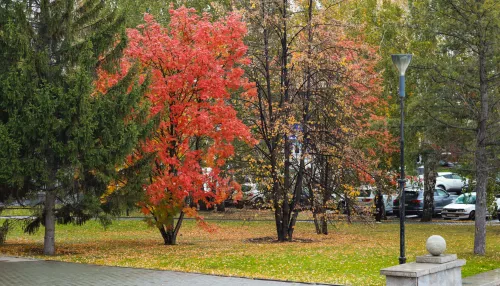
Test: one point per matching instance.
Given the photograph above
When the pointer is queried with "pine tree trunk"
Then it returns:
(49, 247)
(481, 159)
(481, 183)
(429, 185)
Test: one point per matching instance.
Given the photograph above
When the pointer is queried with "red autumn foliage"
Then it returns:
(194, 66)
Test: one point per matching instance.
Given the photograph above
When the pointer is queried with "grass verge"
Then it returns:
(350, 254)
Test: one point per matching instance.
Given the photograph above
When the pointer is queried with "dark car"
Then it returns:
(414, 201)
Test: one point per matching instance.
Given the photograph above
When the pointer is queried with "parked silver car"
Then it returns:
(414, 201)
(366, 199)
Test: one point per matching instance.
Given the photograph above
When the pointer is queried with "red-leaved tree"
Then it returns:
(194, 67)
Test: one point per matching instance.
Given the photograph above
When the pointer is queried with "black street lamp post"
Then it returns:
(401, 62)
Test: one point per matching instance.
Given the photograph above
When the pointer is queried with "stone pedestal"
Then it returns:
(442, 270)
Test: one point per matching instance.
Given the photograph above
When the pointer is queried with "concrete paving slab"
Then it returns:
(489, 278)
(414, 269)
(15, 259)
(29, 272)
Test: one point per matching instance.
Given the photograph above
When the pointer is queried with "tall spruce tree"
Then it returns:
(464, 94)
(60, 138)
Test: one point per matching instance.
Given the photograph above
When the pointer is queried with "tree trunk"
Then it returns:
(169, 233)
(278, 198)
(285, 204)
(429, 185)
(49, 247)
(348, 208)
(481, 157)
(168, 236)
(271, 140)
(285, 84)
(324, 224)
(326, 193)
(314, 207)
(291, 225)
(316, 222)
(481, 184)
(320, 221)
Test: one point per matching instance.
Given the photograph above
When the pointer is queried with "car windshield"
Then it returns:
(466, 199)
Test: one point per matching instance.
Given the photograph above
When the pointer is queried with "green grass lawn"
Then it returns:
(350, 254)
(16, 211)
(231, 213)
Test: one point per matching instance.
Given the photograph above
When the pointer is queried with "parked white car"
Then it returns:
(451, 182)
(251, 195)
(497, 201)
(464, 207)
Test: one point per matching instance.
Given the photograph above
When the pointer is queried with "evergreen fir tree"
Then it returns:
(58, 137)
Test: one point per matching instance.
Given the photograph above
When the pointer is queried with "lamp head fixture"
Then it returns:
(401, 61)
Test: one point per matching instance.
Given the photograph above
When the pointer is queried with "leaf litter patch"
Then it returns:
(270, 239)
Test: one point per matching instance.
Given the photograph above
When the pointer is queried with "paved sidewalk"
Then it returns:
(31, 272)
(410, 219)
(490, 278)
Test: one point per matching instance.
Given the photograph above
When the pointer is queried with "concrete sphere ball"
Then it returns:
(436, 245)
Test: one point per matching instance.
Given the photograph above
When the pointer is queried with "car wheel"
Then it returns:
(472, 215)
(447, 218)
